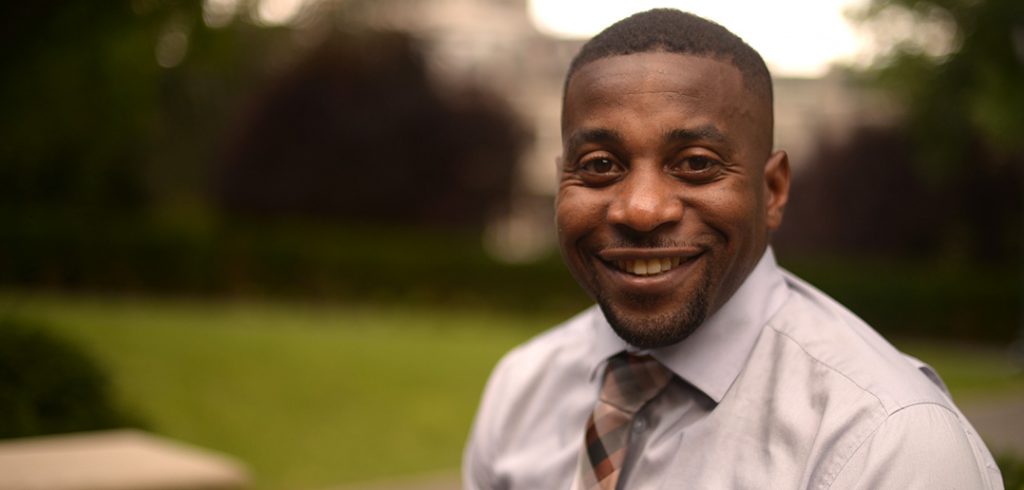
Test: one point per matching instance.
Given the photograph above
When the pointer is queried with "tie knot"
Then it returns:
(630, 381)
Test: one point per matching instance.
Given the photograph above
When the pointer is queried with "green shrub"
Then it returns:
(48, 385)
(933, 297)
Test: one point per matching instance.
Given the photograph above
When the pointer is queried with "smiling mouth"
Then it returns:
(650, 267)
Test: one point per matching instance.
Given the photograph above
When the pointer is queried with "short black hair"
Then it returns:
(672, 31)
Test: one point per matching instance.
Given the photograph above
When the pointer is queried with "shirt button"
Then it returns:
(639, 425)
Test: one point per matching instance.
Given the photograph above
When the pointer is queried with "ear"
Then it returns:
(776, 182)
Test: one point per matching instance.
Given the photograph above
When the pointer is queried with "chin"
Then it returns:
(642, 325)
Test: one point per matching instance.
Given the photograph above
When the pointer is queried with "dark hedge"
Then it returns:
(48, 385)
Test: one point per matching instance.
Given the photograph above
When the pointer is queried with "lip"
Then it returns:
(650, 285)
(623, 253)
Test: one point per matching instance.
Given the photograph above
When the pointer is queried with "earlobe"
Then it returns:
(776, 181)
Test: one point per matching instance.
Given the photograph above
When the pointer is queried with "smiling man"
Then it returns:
(703, 365)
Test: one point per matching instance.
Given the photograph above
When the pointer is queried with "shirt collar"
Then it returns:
(712, 357)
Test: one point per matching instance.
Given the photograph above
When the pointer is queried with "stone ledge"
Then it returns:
(114, 460)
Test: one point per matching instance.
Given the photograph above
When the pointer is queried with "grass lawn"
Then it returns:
(312, 395)
(306, 395)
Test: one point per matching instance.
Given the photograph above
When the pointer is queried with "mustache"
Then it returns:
(653, 241)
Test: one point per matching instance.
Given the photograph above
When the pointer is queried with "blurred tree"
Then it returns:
(862, 196)
(104, 104)
(959, 67)
(128, 125)
(360, 130)
(71, 93)
(124, 107)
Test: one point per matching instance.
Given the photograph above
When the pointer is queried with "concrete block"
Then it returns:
(114, 460)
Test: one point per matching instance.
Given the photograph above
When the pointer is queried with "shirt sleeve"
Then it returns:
(478, 455)
(921, 446)
(476, 473)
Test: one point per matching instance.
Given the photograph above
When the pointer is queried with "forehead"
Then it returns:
(656, 82)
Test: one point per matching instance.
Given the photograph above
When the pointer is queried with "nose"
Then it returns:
(646, 200)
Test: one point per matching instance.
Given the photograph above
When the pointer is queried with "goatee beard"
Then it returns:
(653, 331)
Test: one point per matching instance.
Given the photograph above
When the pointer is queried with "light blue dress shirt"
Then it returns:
(781, 388)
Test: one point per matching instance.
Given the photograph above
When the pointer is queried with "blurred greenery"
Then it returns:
(92, 122)
(936, 298)
(957, 67)
(1013, 472)
(114, 164)
(281, 257)
(925, 296)
(969, 89)
(128, 134)
(142, 109)
(312, 394)
(972, 372)
(307, 394)
(49, 386)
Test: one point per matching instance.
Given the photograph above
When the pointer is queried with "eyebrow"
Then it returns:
(590, 135)
(707, 132)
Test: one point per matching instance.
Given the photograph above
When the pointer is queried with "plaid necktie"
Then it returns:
(629, 383)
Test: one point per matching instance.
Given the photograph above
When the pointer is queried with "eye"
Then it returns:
(698, 164)
(599, 165)
(599, 169)
(696, 168)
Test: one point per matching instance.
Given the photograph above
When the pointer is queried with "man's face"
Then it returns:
(667, 189)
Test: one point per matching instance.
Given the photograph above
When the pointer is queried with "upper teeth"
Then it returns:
(646, 267)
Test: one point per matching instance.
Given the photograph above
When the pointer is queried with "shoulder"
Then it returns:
(920, 446)
(901, 426)
(827, 334)
(527, 378)
(556, 350)
(537, 389)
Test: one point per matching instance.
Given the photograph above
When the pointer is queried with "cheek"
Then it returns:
(734, 210)
(577, 213)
